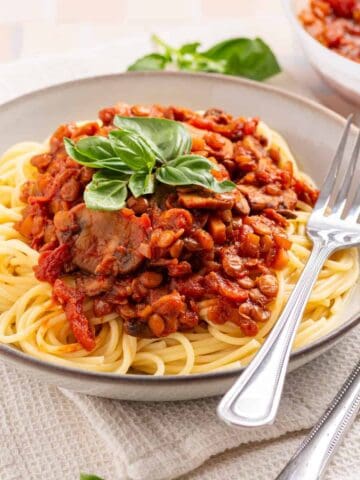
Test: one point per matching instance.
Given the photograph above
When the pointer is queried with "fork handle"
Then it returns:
(314, 454)
(254, 398)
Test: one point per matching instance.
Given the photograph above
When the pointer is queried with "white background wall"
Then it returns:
(37, 27)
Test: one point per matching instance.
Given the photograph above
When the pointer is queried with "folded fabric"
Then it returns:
(161, 441)
(53, 434)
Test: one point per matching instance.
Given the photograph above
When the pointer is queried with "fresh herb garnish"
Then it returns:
(245, 57)
(192, 170)
(133, 149)
(84, 153)
(89, 476)
(153, 61)
(166, 138)
(143, 151)
(106, 191)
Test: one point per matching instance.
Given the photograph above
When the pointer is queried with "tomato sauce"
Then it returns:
(335, 24)
(153, 261)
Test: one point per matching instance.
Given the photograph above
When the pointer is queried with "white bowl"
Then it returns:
(339, 72)
(311, 130)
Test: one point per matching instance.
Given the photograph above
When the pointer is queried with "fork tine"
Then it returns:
(330, 180)
(341, 198)
(354, 210)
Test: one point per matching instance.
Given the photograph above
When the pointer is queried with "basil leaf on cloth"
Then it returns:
(148, 63)
(106, 191)
(192, 170)
(168, 139)
(189, 47)
(89, 476)
(166, 49)
(246, 57)
(132, 149)
(200, 63)
(251, 58)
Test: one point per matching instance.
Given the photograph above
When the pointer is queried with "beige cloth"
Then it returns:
(50, 434)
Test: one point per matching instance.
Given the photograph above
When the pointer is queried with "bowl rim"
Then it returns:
(16, 356)
(332, 56)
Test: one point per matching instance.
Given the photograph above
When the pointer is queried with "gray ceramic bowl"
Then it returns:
(311, 130)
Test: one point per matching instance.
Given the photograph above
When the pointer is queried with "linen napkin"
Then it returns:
(47, 433)
(164, 441)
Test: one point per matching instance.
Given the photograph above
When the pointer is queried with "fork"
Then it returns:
(254, 398)
(316, 451)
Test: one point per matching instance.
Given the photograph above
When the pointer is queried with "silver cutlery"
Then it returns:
(314, 454)
(254, 398)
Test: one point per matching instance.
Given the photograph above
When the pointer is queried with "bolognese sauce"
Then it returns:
(154, 260)
(335, 24)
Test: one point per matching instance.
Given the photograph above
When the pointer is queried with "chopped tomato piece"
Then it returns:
(343, 8)
(282, 241)
(51, 263)
(217, 230)
(73, 302)
(223, 312)
(175, 218)
(249, 327)
(281, 259)
(227, 288)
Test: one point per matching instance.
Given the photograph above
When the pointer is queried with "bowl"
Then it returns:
(311, 130)
(342, 74)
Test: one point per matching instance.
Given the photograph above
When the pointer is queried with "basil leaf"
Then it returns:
(115, 165)
(221, 187)
(110, 163)
(72, 151)
(168, 139)
(167, 49)
(106, 191)
(186, 170)
(200, 63)
(151, 62)
(96, 148)
(195, 162)
(89, 476)
(189, 47)
(141, 183)
(192, 170)
(132, 149)
(251, 58)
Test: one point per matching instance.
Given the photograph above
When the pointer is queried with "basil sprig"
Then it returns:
(144, 150)
(166, 138)
(192, 170)
(106, 191)
(245, 57)
(89, 476)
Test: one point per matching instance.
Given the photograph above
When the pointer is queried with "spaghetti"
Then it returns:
(31, 321)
